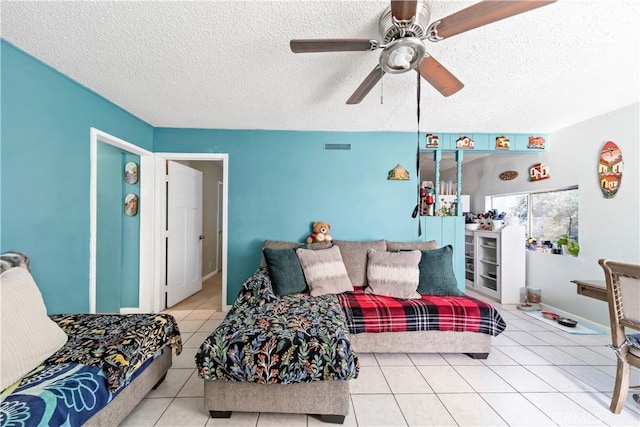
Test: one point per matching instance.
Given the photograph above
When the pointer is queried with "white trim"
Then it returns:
(145, 210)
(160, 216)
(210, 275)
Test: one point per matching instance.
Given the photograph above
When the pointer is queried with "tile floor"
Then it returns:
(536, 375)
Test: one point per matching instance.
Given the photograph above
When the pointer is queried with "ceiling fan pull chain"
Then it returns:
(381, 87)
(418, 156)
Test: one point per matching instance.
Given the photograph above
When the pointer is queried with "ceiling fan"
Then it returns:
(404, 27)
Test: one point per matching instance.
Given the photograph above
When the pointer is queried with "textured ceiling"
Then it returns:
(227, 64)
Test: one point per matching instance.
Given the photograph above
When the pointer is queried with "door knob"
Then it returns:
(201, 237)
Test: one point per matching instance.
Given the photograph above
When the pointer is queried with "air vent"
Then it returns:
(337, 146)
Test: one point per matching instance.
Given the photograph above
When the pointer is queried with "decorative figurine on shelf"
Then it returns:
(431, 201)
(432, 141)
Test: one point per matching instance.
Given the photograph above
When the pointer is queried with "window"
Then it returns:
(546, 215)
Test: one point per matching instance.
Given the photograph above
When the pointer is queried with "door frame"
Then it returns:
(220, 189)
(160, 215)
(145, 210)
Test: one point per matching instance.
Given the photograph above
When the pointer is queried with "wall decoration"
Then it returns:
(131, 204)
(464, 142)
(432, 141)
(508, 175)
(131, 172)
(502, 143)
(398, 173)
(539, 172)
(610, 169)
(536, 142)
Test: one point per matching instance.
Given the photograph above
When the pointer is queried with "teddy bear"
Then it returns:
(320, 233)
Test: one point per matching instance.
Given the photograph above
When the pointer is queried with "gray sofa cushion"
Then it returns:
(409, 246)
(354, 255)
(324, 271)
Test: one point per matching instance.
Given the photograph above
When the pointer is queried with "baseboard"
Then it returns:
(213, 273)
(547, 307)
(130, 310)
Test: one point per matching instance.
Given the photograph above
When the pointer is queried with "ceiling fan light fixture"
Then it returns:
(402, 55)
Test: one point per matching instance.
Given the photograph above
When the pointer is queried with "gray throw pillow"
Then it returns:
(393, 274)
(436, 273)
(285, 271)
(324, 271)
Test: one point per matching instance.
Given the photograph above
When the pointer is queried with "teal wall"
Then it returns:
(282, 181)
(130, 261)
(45, 167)
(109, 229)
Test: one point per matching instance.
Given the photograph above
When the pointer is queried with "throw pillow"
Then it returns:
(29, 336)
(354, 255)
(285, 271)
(278, 244)
(324, 270)
(436, 273)
(393, 274)
(409, 246)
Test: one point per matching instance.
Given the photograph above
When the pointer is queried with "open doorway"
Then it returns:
(127, 287)
(214, 169)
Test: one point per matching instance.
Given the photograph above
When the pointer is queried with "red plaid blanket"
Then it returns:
(375, 313)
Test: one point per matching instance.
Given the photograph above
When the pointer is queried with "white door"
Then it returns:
(219, 226)
(184, 232)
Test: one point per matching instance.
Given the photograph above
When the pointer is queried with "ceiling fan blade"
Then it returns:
(480, 14)
(365, 87)
(403, 9)
(439, 77)
(332, 45)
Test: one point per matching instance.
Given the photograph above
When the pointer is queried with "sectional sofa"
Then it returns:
(294, 350)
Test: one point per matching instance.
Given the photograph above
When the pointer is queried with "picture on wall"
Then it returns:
(131, 204)
(610, 169)
(131, 172)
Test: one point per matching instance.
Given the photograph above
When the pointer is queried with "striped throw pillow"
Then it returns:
(393, 274)
(324, 271)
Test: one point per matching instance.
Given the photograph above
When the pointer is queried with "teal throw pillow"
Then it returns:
(285, 271)
(436, 273)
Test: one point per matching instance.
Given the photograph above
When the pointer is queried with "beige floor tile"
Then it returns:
(279, 420)
(444, 379)
(190, 325)
(589, 357)
(377, 410)
(405, 379)
(196, 339)
(175, 380)
(219, 315)
(523, 338)
(553, 338)
(556, 356)
(184, 412)
(238, 419)
(186, 359)
(562, 410)
(483, 379)
(393, 359)
(597, 379)
(147, 412)
(194, 387)
(516, 410)
(427, 359)
(496, 358)
(209, 325)
(367, 359)
(179, 314)
(502, 340)
(458, 359)
(591, 340)
(200, 314)
(469, 409)
(598, 405)
(559, 379)
(370, 380)
(424, 410)
(526, 325)
(521, 379)
(524, 356)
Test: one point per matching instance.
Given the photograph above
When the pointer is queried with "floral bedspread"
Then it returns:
(118, 344)
(268, 339)
(66, 394)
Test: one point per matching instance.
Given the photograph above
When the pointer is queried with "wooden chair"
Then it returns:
(623, 294)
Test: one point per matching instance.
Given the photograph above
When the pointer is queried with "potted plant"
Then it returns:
(569, 245)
